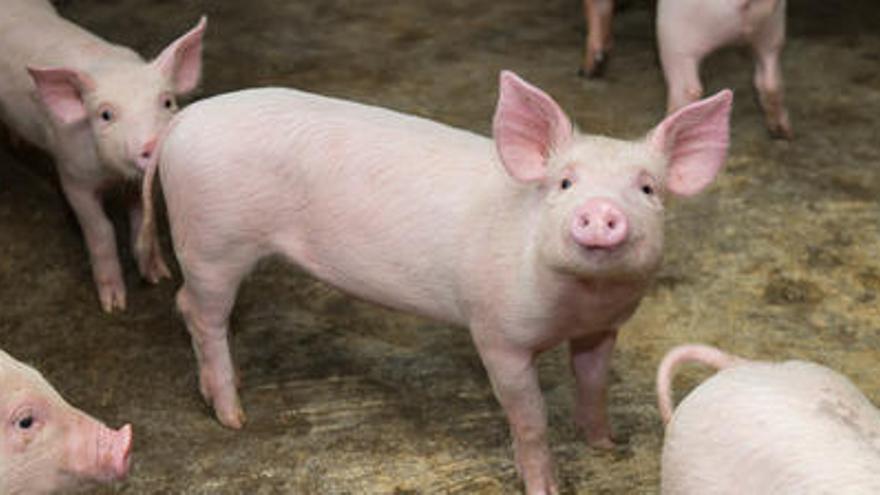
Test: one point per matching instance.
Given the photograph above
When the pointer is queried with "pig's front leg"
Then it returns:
(590, 362)
(100, 241)
(515, 383)
(150, 262)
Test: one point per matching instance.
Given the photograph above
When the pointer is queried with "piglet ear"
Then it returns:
(528, 127)
(61, 90)
(695, 138)
(181, 61)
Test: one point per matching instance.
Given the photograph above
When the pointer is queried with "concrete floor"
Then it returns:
(778, 260)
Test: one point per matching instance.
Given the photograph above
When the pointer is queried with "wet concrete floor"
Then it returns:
(778, 260)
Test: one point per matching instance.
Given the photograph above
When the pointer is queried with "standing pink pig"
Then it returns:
(790, 428)
(541, 237)
(98, 109)
(46, 445)
(689, 30)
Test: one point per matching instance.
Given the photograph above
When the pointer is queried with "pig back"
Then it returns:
(782, 428)
(380, 204)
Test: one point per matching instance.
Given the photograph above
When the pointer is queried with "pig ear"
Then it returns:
(695, 139)
(528, 126)
(61, 90)
(181, 61)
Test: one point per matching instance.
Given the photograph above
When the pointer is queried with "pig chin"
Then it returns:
(126, 170)
(629, 260)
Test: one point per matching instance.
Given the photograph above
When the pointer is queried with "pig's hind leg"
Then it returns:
(205, 301)
(683, 84)
(598, 15)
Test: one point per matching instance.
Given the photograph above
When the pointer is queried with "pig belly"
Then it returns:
(368, 200)
(698, 27)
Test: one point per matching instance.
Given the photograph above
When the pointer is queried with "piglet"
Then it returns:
(689, 30)
(46, 444)
(790, 427)
(98, 109)
(542, 236)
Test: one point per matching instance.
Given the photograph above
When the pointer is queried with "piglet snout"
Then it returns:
(146, 153)
(599, 224)
(114, 452)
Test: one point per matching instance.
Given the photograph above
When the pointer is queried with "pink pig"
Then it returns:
(47, 445)
(543, 236)
(97, 108)
(689, 30)
(759, 427)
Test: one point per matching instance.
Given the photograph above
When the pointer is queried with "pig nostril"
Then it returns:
(611, 224)
(145, 154)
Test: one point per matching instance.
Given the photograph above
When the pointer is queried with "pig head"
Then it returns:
(46, 444)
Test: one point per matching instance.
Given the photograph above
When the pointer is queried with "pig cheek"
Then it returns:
(646, 238)
(113, 150)
(557, 246)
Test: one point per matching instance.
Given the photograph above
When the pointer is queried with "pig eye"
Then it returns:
(648, 189)
(168, 103)
(106, 115)
(565, 184)
(26, 422)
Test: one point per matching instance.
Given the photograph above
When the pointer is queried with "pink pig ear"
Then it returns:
(181, 61)
(695, 138)
(528, 127)
(61, 90)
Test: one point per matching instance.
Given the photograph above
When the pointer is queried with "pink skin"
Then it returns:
(599, 224)
(47, 445)
(598, 15)
(766, 427)
(316, 179)
(98, 109)
(689, 30)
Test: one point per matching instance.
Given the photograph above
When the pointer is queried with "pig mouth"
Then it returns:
(600, 250)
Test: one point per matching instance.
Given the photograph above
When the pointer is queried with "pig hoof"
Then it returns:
(594, 68)
(112, 295)
(234, 419)
(781, 132)
(601, 443)
(542, 488)
(155, 269)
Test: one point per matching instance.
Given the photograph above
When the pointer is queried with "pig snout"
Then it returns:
(115, 457)
(104, 455)
(599, 224)
(145, 153)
